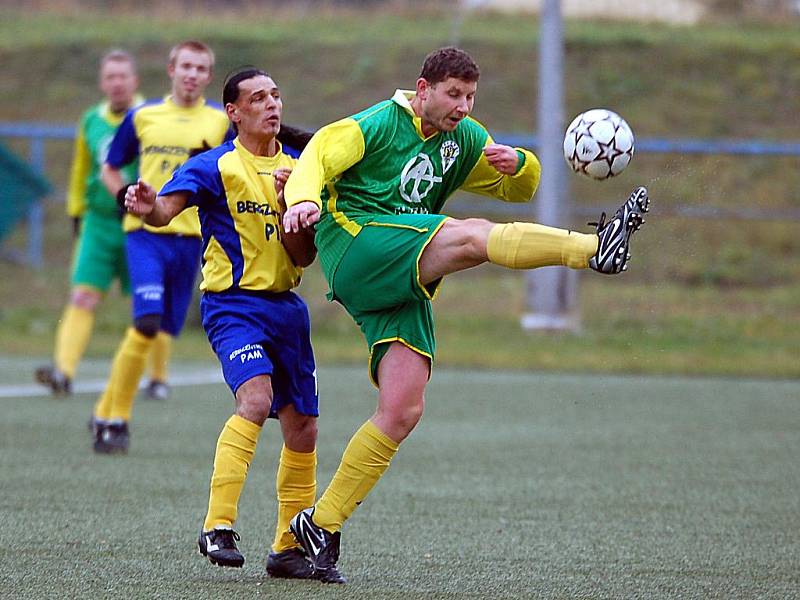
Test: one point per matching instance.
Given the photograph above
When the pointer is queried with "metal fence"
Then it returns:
(38, 134)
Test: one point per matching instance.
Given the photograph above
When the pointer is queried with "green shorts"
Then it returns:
(100, 254)
(377, 281)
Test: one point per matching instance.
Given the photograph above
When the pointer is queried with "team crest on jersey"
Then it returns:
(417, 178)
(449, 152)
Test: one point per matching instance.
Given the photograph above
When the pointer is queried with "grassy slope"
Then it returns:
(702, 297)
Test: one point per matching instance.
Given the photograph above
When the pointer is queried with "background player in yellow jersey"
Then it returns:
(258, 328)
(100, 249)
(385, 247)
(162, 262)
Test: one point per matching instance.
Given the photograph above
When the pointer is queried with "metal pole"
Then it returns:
(551, 291)
(36, 211)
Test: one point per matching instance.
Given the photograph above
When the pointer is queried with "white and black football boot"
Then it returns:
(157, 390)
(615, 235)
(219, 545)
(58, 382)
(321, 546)
(113, 438)
(96, 426)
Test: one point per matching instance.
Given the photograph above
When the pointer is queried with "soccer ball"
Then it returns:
(598, 143)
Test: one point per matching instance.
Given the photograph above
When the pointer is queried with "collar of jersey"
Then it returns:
(105, 109)
(201, 102)
(403, 99)
(252, 157)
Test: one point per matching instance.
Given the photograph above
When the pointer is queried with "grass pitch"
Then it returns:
(513, 486)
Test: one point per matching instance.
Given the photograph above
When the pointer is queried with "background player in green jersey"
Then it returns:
(257, 326)
(100, 250)
(384, 246)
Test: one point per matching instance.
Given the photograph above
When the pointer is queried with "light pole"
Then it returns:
(551, 292)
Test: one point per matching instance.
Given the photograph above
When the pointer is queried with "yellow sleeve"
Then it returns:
(484, 179)
(333, 149)
(81, 162)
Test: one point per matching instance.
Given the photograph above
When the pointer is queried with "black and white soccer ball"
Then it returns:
(598, 143)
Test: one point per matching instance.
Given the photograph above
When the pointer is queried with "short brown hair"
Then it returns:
(449, 62)
(193, 45)
(118, 55)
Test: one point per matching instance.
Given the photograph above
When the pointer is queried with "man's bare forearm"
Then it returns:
(112, 179)
(160, 215)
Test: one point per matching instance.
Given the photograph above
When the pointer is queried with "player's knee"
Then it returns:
(478, 233)
(85, 298)
(404, 417)
(472, 234)
(412, 414)
(254, 409)
(147, 325)
(301, 436)
(254, 399)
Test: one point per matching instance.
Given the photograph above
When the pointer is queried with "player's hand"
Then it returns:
(140, 199)
(503, 158)
(281, 175)
(300, 216)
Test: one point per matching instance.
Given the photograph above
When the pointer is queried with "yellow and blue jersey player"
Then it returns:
(256, 325)
(162, 262)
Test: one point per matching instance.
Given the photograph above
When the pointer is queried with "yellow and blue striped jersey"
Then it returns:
(234, 191)
(162, 134)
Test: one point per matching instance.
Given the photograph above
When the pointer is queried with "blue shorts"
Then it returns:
(163, 270)
(263, 333)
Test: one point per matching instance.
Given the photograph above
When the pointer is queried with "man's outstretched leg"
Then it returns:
(461, 244)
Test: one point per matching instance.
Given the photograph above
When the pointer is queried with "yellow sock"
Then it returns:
(102, 408)
(296, 484)
(126, 371)
(160, 354)
(365, 459)
(235, 449)
(530, 245)
(72, 337)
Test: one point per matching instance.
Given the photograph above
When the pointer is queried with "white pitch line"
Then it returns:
(95, 386)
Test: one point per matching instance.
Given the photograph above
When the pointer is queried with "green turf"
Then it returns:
(513, 486)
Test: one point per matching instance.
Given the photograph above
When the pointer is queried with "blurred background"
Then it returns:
(709, 87)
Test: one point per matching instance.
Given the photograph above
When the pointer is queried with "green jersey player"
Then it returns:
(99, 256)
(384, 175)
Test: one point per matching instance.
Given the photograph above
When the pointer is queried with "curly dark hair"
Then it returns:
(449, 62)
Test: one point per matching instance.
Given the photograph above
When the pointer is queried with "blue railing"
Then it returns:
(683, 146)
(39, 133)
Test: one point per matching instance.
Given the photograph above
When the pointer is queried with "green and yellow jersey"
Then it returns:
(86, 191)
(234, 191)
(162, 134)
(379, 162)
